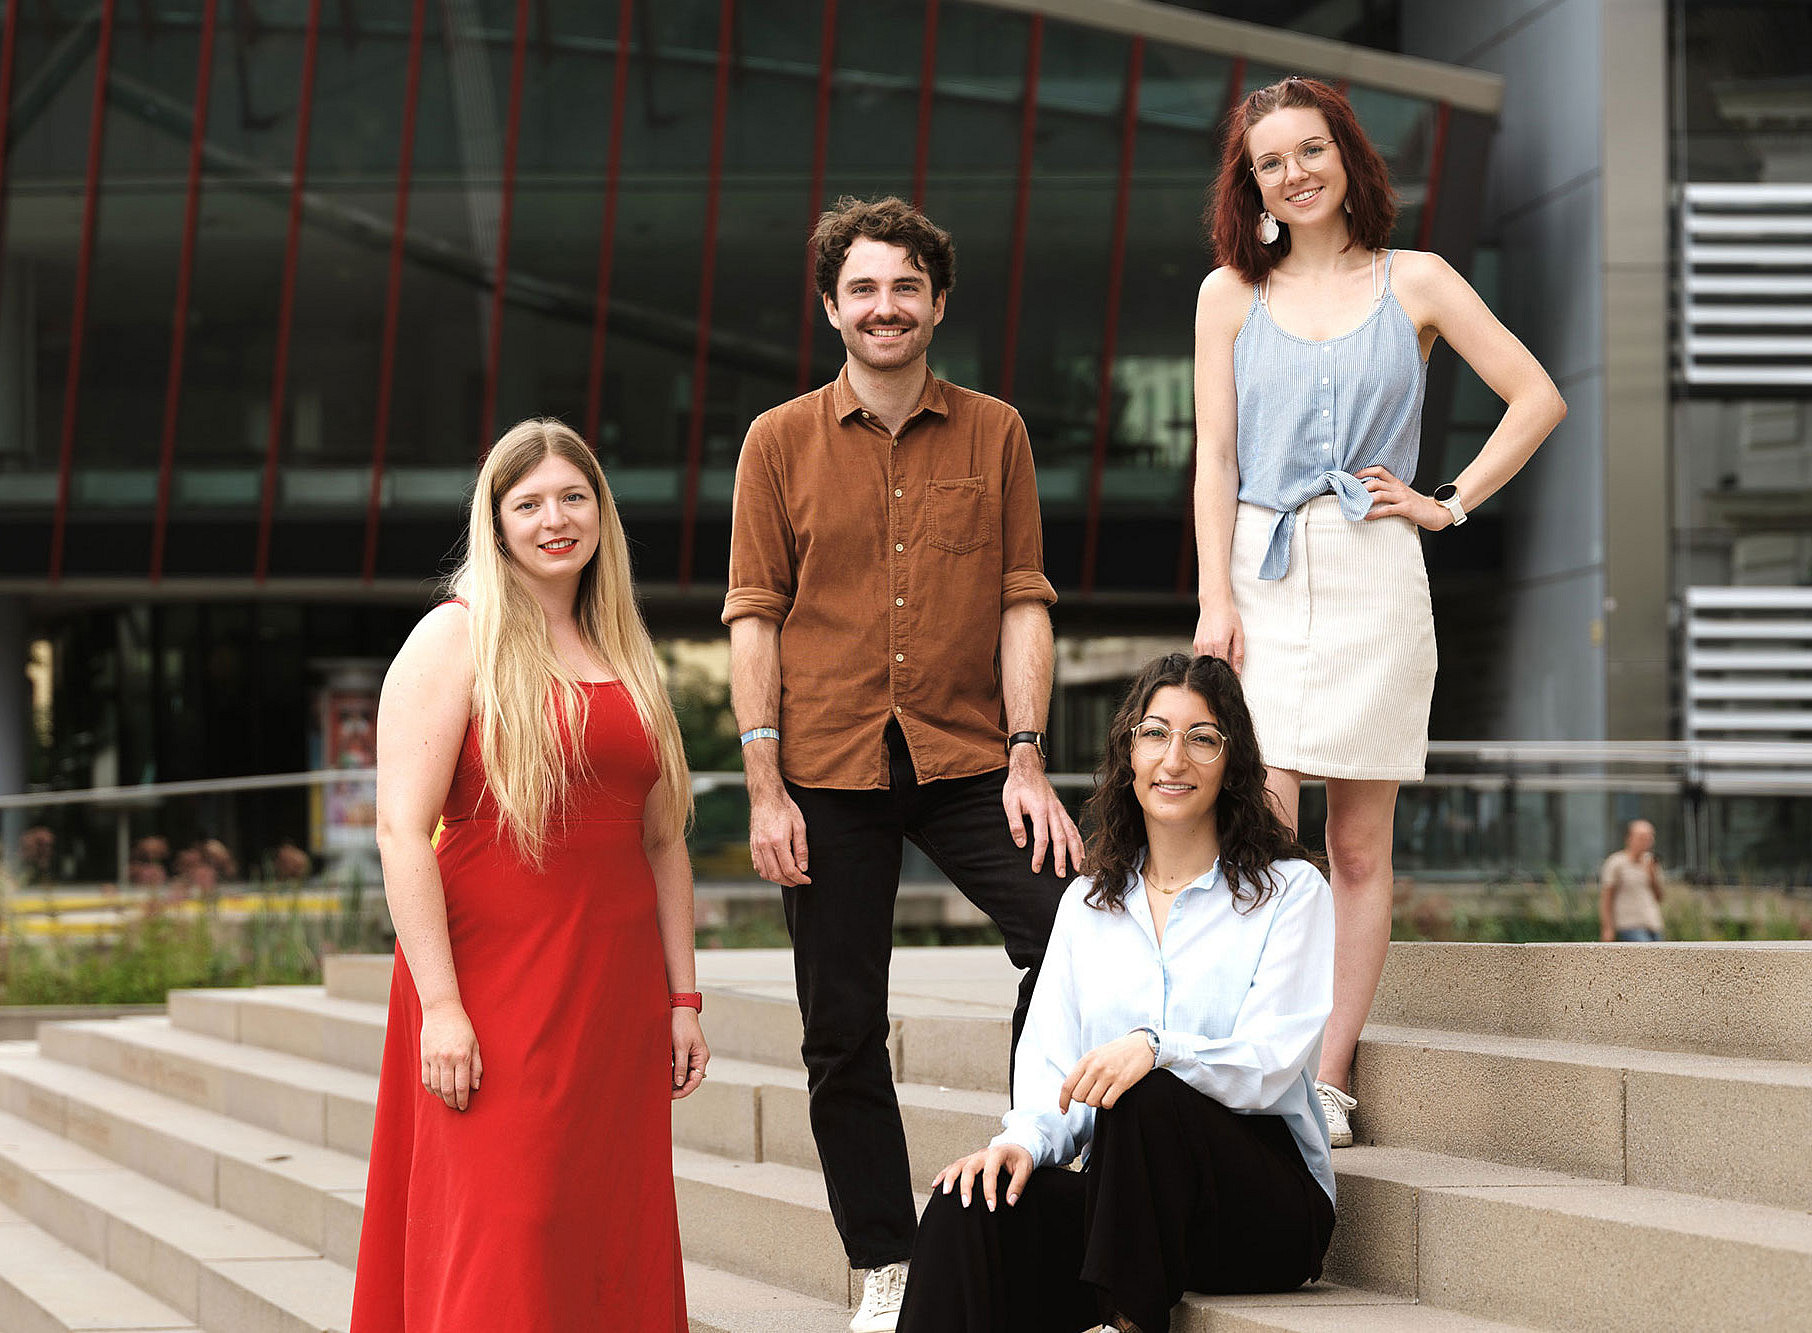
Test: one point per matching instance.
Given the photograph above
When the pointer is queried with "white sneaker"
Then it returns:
(882, 1291)
(1335, 1107)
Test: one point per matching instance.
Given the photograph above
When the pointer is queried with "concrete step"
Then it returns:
(297, 1020)
(211, 1267)
(306, 1099)
(304, 1192)
(720, 1302)
(1726, 1127)
(358, 976)
(1553, 1251)
(49, 1287)
(1716, 999)
(1325, 1307)
(756, 1112)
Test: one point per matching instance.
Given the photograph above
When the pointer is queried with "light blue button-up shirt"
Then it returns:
(1312, 412)
(1239, 999)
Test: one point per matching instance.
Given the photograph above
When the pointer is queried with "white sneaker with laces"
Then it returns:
(1335, 1107)
(882, 1291)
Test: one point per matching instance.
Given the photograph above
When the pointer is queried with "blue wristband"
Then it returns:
(760, 734)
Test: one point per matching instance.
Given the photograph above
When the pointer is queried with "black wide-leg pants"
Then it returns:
(1180, 1194)
(842, 930)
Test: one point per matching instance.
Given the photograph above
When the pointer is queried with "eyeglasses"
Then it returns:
(1309, 154)
(1203, 744)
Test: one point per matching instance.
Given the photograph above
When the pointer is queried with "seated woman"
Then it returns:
(1173, 1039)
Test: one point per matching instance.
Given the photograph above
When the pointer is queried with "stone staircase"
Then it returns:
(1566, 1136)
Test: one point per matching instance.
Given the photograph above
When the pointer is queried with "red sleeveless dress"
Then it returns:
(547, 1205)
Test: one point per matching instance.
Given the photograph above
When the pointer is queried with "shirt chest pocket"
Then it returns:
(958, 517)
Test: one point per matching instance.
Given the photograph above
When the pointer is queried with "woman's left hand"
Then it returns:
(690, 1054)
(1392, 497)
(1107, 1071)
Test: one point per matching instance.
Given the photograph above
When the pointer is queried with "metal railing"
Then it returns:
(1485, 810)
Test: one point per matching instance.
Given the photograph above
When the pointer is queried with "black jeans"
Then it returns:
(842, 929)
(1180, 1194)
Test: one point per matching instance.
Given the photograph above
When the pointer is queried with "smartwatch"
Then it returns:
(1447, 496)
(1032, 738)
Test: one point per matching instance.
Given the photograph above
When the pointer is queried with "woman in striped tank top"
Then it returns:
(1311, 354)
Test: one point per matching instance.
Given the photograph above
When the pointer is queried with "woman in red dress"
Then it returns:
(543, 1013)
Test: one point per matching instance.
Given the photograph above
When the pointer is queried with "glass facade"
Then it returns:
(603, 219)
(1742, 449)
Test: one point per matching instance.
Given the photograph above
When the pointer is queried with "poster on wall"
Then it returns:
(345, 813)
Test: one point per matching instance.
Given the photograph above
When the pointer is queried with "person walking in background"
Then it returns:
(1311, 353)
(543, 1009)
(1629, 901)
(890, 659)
(1172, 1039)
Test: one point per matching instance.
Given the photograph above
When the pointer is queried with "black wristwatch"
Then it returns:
(1035, 738)
(1447, 496)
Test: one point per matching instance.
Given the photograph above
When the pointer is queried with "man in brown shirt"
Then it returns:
(890, 649)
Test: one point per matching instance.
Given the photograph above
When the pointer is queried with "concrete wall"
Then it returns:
(1577, 200)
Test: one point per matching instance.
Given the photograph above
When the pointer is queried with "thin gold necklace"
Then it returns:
(1180, 887)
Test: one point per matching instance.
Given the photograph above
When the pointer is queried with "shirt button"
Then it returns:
(899, 657)
(1324, 380)
(899, 601)
(1324, 411)
(897, 492)
(1326, 447)
(899, 546)
(898, 709)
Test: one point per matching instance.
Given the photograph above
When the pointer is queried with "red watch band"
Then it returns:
(687, 999)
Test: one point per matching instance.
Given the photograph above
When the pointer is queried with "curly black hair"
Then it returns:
(1253, 834)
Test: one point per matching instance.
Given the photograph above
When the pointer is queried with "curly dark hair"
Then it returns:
(1231, 215)
(1252, 832)
(891, 220)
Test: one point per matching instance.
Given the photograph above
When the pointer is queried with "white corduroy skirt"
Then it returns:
(1340, 652)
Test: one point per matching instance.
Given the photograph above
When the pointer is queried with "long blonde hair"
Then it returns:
(523, 688)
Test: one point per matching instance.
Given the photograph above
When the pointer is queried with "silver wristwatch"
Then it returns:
(1151, 1040)
(1447, 496)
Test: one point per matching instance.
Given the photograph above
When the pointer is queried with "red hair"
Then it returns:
(1231, 217)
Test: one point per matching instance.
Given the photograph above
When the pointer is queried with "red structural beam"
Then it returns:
(487, 420)
(1022, 209)
(1425, 227)
(707, 281)
(1116, 270)
(607, 229)
(9, 33)
(1236, 93)
(808, 308)
(393, 288)
(286, 305)
(72, 383)
(185, 274)
(921, 155)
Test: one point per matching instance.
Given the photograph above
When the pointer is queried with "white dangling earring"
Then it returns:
(1267, 229)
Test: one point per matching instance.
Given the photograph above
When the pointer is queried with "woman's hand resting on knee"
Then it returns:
(988, 1164)
(1107, 1071)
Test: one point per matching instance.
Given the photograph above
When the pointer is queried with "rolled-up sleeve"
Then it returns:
(763, 576)
(1280, 1022)
(1022, 529)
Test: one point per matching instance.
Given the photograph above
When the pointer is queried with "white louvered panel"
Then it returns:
(1749, 663)
(1745, 274)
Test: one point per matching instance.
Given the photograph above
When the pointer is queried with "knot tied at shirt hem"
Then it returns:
(1355, 504)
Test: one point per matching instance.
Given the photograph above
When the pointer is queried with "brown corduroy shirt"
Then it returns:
(887, 561)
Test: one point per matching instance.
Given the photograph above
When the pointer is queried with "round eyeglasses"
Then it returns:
(1151, 740)
(1309, 154)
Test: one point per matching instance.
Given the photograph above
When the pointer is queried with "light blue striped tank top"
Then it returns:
(1312, 413)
